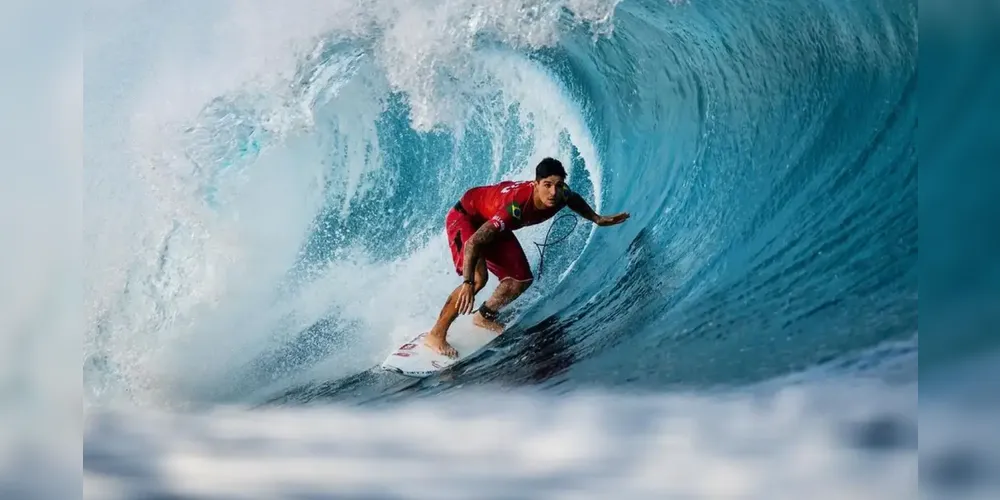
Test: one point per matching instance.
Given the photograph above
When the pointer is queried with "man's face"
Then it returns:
(548, 190)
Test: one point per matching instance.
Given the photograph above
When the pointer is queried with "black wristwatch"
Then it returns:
(471, 282)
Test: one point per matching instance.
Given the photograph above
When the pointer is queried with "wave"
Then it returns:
(264, 191)
(268, 211)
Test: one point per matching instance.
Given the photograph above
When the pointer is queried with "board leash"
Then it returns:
(541, 246)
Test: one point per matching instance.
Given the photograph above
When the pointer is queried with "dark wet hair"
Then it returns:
(549, 167)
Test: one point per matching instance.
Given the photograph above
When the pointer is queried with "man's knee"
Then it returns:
(518, 287)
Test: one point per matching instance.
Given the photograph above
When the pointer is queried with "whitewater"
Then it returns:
(264, 192)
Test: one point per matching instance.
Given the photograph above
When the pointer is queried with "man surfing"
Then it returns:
(480, 231)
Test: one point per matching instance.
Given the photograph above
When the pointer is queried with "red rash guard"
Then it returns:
(508, 206)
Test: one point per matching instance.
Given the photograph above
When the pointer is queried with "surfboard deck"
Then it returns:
(414, 359)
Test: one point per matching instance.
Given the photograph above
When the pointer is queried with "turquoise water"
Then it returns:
(290, 208)
(274, 221)
(264, 191)
(765, 151)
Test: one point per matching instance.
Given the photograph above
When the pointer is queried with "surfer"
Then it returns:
(480, 234)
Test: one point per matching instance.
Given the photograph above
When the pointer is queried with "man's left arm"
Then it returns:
(576, 203)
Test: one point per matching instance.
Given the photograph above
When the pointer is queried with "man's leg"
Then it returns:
(437, 338)
(505, 258)
(505, 293)
(458, 228)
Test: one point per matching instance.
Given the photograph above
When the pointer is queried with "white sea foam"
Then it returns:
(190, 227)
(853, 441)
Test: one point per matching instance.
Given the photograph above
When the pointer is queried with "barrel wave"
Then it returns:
(267, 218)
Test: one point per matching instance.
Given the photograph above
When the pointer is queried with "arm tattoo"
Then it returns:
(577, 204)
(473, 248)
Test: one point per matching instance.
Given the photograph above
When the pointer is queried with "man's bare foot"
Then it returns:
(481, 322)
(440, 345)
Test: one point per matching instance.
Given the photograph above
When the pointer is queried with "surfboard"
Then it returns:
(414, 359)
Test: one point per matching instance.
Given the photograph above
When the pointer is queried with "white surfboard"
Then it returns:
(413, 358)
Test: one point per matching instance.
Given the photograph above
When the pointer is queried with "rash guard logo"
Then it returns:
(498, 222)
(564, 192)
(515, 210)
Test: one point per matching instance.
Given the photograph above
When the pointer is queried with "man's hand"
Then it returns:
(612, 220)
(473, 248)
(466, 298)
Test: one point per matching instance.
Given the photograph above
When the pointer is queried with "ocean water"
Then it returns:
(263, 200)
